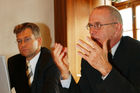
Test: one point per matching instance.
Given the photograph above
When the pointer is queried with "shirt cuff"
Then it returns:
(104, 77)
(66, 83)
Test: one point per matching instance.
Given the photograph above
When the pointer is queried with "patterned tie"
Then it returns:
(29, 73)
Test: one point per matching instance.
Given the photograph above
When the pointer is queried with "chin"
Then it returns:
(23, 54)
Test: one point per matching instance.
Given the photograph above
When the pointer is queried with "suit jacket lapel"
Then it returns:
(44, 62)
(121, 47)
(23, 77)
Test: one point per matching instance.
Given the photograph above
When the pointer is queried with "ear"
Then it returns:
(39, 40)
(119, 29)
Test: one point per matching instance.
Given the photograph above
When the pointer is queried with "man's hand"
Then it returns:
(96, 56)
(61, 60)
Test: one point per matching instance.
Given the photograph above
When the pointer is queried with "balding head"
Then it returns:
(114, 12)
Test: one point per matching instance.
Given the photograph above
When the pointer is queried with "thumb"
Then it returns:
(105, 47)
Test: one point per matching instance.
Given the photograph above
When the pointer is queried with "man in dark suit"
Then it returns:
(101, 72)
(44, 76)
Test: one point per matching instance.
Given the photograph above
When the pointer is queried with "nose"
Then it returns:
(21, 44)
(92, 31)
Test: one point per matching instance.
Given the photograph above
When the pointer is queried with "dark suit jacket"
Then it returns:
(124, 77)
(46, 76)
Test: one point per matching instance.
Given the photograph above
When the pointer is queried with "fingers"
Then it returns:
(93, 43)
(57, 55)
(83, 55)
(65, 50)
(61, 60)
(57, 49)
(60, 56)
(105, 48)
(83, 50)
(65, 59)
(86, 49)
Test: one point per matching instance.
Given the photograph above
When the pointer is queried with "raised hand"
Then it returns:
(61, 60)
(96, 56)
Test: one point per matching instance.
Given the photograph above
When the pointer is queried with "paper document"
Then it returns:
(4, 76)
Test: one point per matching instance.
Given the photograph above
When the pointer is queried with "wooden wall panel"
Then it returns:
(77, 18)
(60, 21)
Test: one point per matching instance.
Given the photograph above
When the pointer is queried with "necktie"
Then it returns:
(110, 57)
(29, 73)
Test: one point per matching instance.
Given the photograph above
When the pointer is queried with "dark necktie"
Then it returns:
(110, 57)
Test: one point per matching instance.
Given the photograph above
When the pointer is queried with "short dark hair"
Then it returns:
(21, 27)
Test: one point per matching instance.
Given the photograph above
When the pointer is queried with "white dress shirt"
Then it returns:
(33, 63)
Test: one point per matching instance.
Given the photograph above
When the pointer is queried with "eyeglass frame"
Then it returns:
(99, 25)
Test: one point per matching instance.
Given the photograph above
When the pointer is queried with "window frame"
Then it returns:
(129, 4)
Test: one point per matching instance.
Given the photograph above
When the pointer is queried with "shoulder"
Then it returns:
(45, 50)
(129, 48)
(130, 41)
(46, 61)
(15, 58)
(46, 57)
(45, 54)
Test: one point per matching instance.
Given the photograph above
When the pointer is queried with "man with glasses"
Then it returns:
(33, 70)
(110, 62)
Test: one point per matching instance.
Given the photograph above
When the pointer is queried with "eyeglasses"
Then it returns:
(98, 25)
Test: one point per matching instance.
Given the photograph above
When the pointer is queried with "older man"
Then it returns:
(100, 72)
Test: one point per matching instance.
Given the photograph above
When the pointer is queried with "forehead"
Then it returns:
(24, 33)
(100, 15)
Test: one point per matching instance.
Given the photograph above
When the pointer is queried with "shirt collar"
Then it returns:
(114, 48)
(34, 61)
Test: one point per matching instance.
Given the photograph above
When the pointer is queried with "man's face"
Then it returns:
(105, 32)
(27, 43)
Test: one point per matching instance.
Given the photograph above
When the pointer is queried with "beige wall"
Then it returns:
(13, 12)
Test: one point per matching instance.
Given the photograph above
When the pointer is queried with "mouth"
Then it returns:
(23, 50)
(97, 41)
